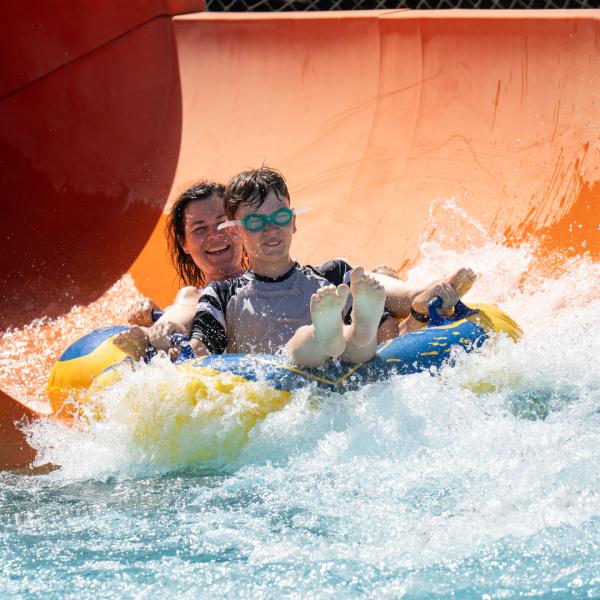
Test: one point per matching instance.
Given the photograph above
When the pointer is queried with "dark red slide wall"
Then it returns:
(90, 128)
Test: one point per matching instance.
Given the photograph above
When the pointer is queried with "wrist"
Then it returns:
(419, 316)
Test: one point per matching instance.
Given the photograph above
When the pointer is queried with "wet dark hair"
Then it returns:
(189, 272)
(252, 187)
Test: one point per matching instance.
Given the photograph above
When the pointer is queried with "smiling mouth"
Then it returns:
(272, 243)
(217, 250)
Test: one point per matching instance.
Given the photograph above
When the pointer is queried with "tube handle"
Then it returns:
(461, 311)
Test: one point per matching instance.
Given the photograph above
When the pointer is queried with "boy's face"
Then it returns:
(270, 246)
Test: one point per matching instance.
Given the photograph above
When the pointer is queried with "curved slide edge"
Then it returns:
(38, 38)
(15, 451)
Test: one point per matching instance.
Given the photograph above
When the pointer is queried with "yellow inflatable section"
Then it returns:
(186, 414)
(494, 319)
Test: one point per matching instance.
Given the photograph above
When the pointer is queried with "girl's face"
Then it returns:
(217, 253)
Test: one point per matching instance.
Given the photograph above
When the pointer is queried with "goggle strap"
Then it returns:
(226, 224)
(302, 209)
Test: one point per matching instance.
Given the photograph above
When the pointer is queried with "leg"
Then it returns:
(312, 345)
(368, 299)
(400, 296)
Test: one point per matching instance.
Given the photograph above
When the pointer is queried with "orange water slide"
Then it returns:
(371, 115)
(107, 112)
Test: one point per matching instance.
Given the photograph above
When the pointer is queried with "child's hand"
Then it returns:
(141, 313)
(444, 290)
(160, 333)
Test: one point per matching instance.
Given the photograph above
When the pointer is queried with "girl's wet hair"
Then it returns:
(189, 272)
(252, 187)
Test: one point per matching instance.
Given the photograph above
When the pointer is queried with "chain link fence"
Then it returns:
(303, 5)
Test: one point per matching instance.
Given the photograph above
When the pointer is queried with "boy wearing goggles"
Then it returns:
(311, 313)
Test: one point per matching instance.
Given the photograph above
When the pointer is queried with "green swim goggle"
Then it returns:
(257, 222)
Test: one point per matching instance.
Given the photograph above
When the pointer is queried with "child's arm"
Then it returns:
(177, 318)
(400, 296)
(209, 335)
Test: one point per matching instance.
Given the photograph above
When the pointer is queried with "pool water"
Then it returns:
(479, 481)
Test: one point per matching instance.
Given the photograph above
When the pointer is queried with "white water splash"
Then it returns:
(483, 477)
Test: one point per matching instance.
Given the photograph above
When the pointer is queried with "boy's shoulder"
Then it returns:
(225, 288)
(225, 283)
(336, 271)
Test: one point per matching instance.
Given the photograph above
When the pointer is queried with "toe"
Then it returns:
(356, 274)
(343, 291)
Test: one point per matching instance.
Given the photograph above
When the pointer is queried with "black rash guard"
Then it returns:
(252, 313)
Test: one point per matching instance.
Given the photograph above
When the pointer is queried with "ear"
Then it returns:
(294, 228)
(183, 244)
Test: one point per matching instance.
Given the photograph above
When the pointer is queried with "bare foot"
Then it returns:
(368, 299)
(326, 307)
(462, 281)
(134, 342)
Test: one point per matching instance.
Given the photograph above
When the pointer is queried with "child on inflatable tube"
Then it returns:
(311, 314)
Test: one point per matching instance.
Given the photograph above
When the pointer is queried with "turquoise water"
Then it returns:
(482, 481)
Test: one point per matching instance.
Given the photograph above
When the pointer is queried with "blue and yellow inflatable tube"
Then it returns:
(94, 354)
(81, 363)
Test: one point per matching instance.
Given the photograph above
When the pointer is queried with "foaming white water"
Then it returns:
(479, 481)
(157, 418)
(421, 470)
(484, 476)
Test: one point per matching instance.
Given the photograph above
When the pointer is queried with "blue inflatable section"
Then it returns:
(410, 353)
(88, 343)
